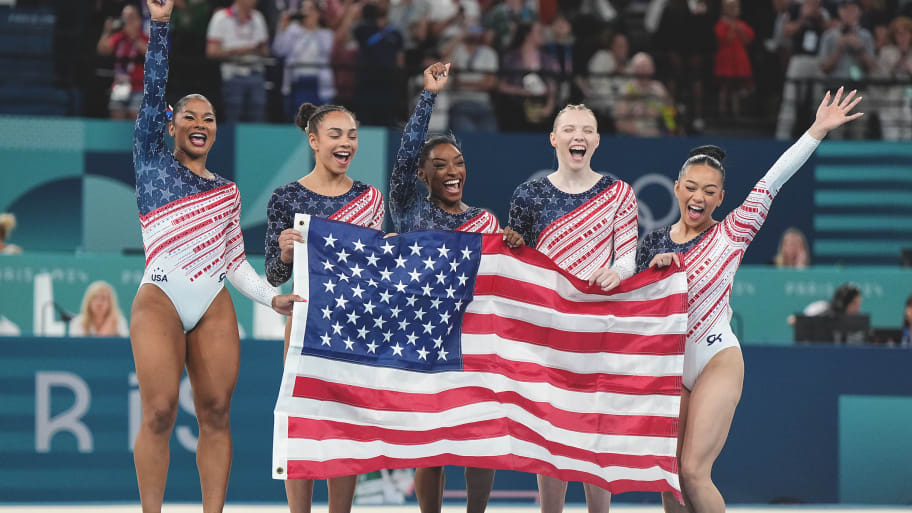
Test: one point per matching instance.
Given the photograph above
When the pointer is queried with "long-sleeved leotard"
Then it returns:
(410, 210)
(361, 205)
(712, 259)
(580, 232)
(190, 225)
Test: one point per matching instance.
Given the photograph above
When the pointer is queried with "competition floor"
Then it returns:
(455, 508)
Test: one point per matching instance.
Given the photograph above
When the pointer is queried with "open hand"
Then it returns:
(835, 113)
(436, 76)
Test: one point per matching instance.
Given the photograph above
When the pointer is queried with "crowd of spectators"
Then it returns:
(647, 67)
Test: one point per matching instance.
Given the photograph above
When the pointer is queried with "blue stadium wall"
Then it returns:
(815, 425)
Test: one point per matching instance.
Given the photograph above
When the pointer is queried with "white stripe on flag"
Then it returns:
(549, 318)
(582, 363)
(420, 421)
(396, 380)
(506, 266)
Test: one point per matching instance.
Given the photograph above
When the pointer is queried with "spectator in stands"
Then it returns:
(732, 67)
(305, 46)
(189, 21)
(846, 300)
(895, 65)
(128, 46)
(474, 69)
(238, 37)
(406, 12)
(527, 86)
(847, 57)
(560, 47)
(876, 18)
(804, 29)
(100, 314)
(793, 250)
(644, 108)
(344, 56)
(503, 20)
(906, 336)
(684, 40)
(424, 44)
(379, 87)
(7, 223)
(447, 18)
(601, 90)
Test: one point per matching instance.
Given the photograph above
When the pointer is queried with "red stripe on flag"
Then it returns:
(533, 294)
(595, 382)
(494, 245)
(572, 341)
(312, 429)
(385, 400)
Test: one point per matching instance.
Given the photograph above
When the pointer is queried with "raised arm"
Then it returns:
(149, 131)
(744, 222)
(625, 234)
(404, 178)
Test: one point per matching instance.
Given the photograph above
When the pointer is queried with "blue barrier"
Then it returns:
(816, 424)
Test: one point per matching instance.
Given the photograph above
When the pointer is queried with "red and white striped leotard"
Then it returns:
(712, 259)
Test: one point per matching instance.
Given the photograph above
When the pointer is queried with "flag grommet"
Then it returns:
(280, 470)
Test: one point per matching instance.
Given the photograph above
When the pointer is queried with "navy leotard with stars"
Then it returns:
(659, 241)
(294, 198)
(537, 203)
(410, 210)
(160, 178)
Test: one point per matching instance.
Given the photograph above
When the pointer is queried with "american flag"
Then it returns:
(448, 348)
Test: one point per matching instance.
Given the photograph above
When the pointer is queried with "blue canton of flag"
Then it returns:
(395, 302)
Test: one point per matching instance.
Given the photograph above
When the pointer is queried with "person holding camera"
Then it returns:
(124, 39)
(847, 56)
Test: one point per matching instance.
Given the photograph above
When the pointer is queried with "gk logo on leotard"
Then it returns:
(222, 277)
(160, 277)
(712, 339)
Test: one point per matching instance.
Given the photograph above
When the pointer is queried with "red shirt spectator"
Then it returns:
(733, 36)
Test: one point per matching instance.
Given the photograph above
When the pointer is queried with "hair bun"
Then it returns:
(305, 112)
(709, 150)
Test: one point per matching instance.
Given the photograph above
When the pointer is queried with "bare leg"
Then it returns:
(341, 493)
(300, 494)
(479, 482)
(669, 501)
(710, 412)
(429, 484)
(552, 492)
(213, 358)
(597, 499)
(159, 351)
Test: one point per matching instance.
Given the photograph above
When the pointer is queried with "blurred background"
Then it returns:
(822, 304)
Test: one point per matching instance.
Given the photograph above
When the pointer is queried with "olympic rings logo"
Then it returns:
(646, 218)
